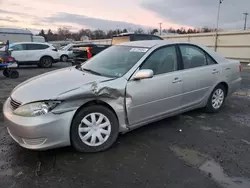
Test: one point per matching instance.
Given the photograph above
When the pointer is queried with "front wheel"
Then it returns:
(14, 74)
(64, 58)
(94, 129)
(216, 99)
(6, 73)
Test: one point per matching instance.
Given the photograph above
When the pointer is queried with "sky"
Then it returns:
(113, 14)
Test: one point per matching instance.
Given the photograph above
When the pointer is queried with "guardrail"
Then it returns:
(232, 44)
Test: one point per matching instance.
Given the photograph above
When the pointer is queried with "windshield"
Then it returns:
(64, 47)
(114, 61)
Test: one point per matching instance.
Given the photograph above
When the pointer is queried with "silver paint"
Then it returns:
(134, 102)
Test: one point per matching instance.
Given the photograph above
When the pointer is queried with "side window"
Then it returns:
(18, 47)
(37, 46)
(210, 61)
(162, 61)
(192, 56)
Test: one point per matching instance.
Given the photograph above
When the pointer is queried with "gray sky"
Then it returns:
(113, 14)
(199, 13)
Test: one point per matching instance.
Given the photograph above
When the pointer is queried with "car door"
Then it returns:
(152, 98)
(200, 73)
(35, 51)
(18, 51)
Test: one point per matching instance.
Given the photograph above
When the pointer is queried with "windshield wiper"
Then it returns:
(91, 71)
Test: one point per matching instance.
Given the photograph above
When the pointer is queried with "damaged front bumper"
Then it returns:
(38, 133)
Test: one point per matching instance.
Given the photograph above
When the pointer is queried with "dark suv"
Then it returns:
(126, 37)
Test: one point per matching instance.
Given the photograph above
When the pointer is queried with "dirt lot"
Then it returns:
(192, 150)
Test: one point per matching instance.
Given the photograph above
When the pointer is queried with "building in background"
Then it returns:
(18, 35)
(38, 38)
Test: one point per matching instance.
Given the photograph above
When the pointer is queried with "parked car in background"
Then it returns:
(127, 37)
(34, 53)
(124, 87)
(66, 52)
(80, 51)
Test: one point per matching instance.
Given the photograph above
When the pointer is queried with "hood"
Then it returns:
(50, 85)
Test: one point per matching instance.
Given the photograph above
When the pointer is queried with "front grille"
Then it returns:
(14, 104)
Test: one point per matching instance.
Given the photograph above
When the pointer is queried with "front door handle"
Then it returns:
(215, 71)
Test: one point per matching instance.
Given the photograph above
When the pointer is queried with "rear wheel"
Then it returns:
(46, 62)
(216, 99)
(94, 129)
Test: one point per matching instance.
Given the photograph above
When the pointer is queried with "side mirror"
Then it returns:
(143, 74)
(10, 50)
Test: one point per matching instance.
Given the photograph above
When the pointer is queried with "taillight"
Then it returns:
(54, 49)
(9, 59)
(240, 67)
(89, 54)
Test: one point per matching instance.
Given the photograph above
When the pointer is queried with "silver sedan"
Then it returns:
(122, 88)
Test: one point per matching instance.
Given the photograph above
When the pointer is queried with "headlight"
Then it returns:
(36, 108)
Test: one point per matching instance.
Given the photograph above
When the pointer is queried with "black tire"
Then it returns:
(6, 73)
(14, 74)
(64, 58)
(46, 62)
(76, 141)
(209, 107)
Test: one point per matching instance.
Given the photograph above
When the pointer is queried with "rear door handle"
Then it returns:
(177, 80)
(228, 69)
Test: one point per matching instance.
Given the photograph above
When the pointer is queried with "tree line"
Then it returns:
(66, 34)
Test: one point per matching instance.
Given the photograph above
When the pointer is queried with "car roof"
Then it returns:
(147, 43)
(32, 43)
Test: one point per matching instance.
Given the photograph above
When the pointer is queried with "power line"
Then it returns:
(245, 24)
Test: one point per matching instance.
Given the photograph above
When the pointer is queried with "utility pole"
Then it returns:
(160, 28)
(245, 25)
(217, 26)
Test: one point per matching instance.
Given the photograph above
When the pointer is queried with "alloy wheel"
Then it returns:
(218, 98)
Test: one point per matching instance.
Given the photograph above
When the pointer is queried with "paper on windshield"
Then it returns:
(142, 50)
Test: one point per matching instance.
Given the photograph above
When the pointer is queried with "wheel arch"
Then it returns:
(63, 55)
(95, 102)
(225, 86)
(46, 56)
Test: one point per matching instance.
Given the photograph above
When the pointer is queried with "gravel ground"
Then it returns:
(192, 150)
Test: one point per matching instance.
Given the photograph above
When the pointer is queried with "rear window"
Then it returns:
(140, 37)
(120, 39)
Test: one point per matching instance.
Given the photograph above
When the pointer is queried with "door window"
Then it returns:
(19, 47)
(37, 46)
(192, 56)
(210, 61)
(162, 61)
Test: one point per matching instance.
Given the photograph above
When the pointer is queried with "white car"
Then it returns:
(34, 53)
(66, 52)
